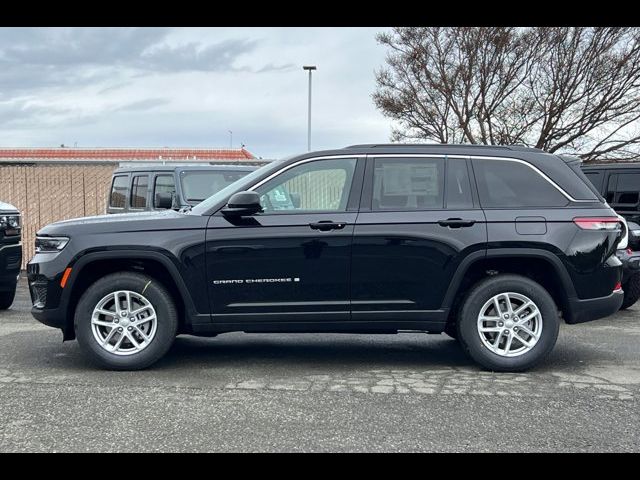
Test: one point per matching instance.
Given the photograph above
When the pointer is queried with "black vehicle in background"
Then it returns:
(619, 184)
(160, 187)
(493, 245)
(10, 253)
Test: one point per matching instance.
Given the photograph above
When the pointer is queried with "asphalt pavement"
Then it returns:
(318, 393)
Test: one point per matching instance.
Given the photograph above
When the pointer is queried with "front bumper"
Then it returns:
(10, 262)
(594, 308)
(44, 273)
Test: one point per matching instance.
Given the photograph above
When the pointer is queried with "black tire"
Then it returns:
(483, 291)
(631, 291)
(155, 293)
(6, 299)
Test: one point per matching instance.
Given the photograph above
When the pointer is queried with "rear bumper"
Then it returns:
(594, 308)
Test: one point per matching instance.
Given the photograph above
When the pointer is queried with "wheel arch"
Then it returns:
(539, 265)
(92, 266)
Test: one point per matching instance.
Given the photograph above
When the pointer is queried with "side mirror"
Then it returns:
(242, 204)
(164, 200)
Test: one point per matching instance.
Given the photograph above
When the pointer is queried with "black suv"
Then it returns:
(619, 184)
(149, 187)
(10, 253)
(492, 245)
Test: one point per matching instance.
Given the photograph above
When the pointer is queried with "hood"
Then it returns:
(115, 223)
(7, 208)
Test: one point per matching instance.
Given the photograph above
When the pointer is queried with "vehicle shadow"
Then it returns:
(316, 351)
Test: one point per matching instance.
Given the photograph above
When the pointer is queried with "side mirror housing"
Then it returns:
(242, 204)
(164, 200)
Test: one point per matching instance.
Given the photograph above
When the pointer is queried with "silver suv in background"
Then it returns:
(160, 187)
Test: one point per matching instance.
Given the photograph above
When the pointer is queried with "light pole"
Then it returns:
(310, 68)
(230, 138)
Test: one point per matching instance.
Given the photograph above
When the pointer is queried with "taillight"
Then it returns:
(597, 223)
(617, 287)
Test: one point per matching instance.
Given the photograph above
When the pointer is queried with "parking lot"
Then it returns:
(306, 392)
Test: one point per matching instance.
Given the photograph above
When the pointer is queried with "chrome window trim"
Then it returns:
(425, 155)
(306, 160)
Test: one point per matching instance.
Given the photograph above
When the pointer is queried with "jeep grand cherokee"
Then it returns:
(493, 245)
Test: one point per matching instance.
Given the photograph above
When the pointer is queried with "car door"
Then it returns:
(623, 192)
(292, 261)
(418, 219)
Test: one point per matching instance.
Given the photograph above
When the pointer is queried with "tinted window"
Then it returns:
(163, 184)
(458, 185)
(595, 178)
(198, 185)
(408, 184)
(509, 184)
(611, 188)
(322, 185)
(627, 189)
(118, 192)
(139, 191)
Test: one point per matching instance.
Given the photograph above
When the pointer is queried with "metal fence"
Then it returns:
(46, 193)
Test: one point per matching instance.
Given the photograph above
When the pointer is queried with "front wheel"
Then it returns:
(126, 321)
(508, 323)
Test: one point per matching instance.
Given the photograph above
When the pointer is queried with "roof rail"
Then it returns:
(445, 145)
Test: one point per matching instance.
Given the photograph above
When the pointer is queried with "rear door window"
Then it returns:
(511, 184)
(626, 190)
(458, 185)
(401, 184)
(139, 188)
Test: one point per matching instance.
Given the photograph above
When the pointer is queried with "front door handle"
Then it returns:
(326, 225)
(456, 223)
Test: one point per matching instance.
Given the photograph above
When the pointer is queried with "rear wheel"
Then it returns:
(6, 299)
(126, 321)
(631, 291)
(508, 323)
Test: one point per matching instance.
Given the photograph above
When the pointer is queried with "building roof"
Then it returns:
(126, 154)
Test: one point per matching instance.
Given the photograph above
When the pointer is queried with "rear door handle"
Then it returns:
(456, 223)
(326, 225)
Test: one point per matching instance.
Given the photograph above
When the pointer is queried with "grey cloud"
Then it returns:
(36, 58)
(143, 105)
(216, 57)
(270, 67)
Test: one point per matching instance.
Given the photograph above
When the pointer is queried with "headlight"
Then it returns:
(10, 223)
(50, 244)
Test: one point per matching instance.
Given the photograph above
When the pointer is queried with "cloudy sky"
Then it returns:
(187, 87)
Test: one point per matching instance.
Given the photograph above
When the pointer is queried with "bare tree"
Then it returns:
(565, 90)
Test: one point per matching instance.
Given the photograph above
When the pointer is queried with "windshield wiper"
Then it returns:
(185, 209)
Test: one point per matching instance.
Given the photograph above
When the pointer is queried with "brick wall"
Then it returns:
(46, 193)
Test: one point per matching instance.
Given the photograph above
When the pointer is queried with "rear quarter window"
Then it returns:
(511, 184)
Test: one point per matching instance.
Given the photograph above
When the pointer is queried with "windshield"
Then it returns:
(240, 185)
(198, 185)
